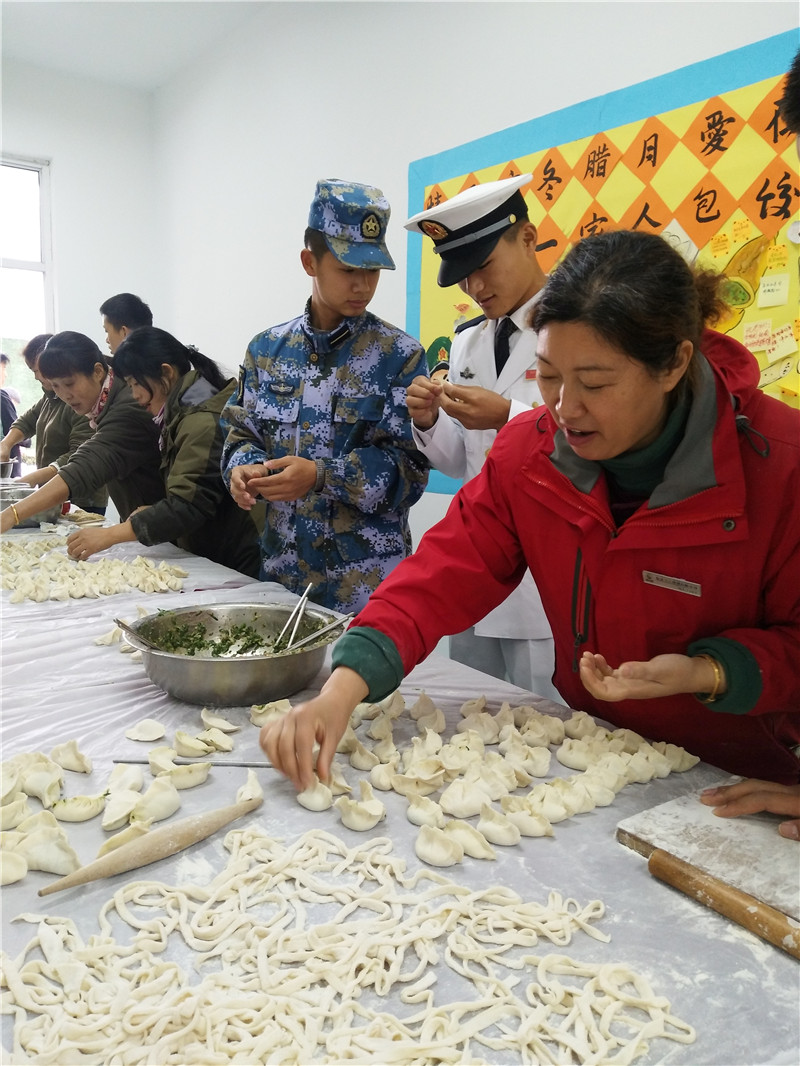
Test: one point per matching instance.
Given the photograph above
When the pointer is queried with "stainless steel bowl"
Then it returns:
(232, 680)
(13, 492)
(6, 468)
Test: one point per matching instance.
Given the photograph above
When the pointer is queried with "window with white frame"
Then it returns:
(26, 260)
(26, 275)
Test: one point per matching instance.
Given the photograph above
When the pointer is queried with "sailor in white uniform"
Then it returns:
(488, 247)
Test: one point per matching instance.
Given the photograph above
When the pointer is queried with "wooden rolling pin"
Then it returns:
(757, 917)
(155, 845)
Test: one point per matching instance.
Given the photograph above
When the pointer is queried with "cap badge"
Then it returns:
(435, 230)
(371, 227)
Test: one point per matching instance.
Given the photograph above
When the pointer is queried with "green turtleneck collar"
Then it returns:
(638, 472)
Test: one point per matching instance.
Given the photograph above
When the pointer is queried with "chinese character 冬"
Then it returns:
(550, 178)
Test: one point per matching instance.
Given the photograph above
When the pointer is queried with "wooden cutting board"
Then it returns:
(746, 855)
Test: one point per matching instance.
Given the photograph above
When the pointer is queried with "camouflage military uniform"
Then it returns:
(338, 397)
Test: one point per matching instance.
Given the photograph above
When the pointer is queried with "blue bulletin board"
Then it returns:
(699, 155)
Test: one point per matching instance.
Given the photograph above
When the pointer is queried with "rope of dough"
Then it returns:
(317, 952)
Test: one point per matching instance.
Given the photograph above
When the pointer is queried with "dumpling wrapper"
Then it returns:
(147, 730)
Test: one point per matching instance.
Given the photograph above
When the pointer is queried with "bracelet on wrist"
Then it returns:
(711, 697)
(14, 512)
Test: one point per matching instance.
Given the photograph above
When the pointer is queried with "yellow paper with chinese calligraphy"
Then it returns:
(718, 178)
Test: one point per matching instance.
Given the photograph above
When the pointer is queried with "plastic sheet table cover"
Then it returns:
(740, 994)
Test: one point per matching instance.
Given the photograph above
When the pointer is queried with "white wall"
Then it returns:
(357, 90)
(196, 196)
(99, 140)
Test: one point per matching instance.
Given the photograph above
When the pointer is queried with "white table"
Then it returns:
(741, 994)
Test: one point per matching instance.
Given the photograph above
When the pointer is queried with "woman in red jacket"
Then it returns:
(657, 504)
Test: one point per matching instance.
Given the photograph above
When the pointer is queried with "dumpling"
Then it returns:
(317, 797)
(49, 850)
(14, 812)
(126, 776)
(471, 839)
(161, 759)
(13, 867)
(131, 832)
(190, 747)
(496, 827)
(211, 720)
(79, 808)
(250, 789)
(361, 814)
(187, 775)
(39, 776)
(68, 756)
(119, 807)
(362, 758)
(218, 740)
(261, 713)
(436, 848)
(423, 706)
(159, 801)
(580, 724)
(424, 811)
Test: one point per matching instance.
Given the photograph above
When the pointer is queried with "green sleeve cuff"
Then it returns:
(742, 672)
(373, 656)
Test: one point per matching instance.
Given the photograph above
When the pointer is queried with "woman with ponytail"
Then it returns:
(183, 391)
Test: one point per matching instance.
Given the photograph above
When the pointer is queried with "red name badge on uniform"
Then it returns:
(530, 375)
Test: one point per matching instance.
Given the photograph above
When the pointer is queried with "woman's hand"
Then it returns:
(663, 675)
(751, 796)
(38, 477)
(289, 741)
(85, 542)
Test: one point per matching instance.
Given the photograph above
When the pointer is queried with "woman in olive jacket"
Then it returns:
(183, 391)
(121, 454)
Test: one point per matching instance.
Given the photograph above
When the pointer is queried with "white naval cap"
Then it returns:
(465, 229)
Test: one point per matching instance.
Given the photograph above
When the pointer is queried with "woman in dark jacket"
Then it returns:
(123, 451)
(57, 430)
(183, 391)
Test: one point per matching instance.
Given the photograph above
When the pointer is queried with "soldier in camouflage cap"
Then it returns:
(318, 426)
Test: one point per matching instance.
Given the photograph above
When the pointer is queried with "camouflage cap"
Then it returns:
(353, 219)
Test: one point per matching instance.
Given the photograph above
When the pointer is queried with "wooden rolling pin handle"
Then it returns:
(757, 917)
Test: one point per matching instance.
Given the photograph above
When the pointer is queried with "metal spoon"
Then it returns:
(136, 635)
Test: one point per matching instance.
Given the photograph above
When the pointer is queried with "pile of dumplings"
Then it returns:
(470, 780)
(38, 841)
(39, 570)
